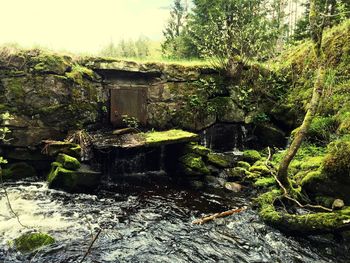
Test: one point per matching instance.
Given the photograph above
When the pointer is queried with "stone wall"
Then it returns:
(49, 95)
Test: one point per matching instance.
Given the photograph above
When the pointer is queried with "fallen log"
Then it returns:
(206, 219)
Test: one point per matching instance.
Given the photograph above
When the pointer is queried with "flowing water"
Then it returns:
(151, 224)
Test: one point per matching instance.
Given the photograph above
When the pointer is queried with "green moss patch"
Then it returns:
(68, 162)
(32, 241)
(251, 156)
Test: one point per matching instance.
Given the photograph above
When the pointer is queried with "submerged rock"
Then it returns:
(32, 241)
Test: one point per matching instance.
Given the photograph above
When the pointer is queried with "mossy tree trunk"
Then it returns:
(316, 28)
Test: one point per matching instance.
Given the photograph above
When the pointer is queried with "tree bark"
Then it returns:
(316, 36)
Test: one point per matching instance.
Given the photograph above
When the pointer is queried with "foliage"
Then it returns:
(130, 122)
(224, 29)
(336, 11)
(178, 42)
(128, 48)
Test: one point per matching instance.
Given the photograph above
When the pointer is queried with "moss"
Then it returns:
(243, 164)
(266, 203)
(194, 165)
(311, 163)
(51, 63)
(197, 149)
(262, 169)
(265, 182)
(321, 129)
(78, 73)
(306, 223)
(82, 180)
(312, 177)
(218, 160)
(164, 137)
(337, 161)
(68, 162)
(32, 241)
(237, 172)
(251, 156)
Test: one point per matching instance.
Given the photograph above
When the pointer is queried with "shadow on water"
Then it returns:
(152, 223)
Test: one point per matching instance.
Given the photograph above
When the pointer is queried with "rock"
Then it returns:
(234, 187)
(213, 181)
(338, 204)
(194, 165)
(18, 171)
(218, 160)
(68, 162)
(81, 180)
(243, 164)
(270, 135)
(237, 172)
(251, 156)
(53, 148)
(197, 149)
(32, 241)
(261, 169)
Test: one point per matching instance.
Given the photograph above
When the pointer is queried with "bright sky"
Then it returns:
(80, 25)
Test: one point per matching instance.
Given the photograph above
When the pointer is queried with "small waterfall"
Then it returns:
(117, 163)
(224, 137)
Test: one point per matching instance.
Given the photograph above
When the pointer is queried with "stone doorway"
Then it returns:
(130, 102)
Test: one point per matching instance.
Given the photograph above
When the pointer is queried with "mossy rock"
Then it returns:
(251, 156)
(218, 160)
(81, 180)
(324, 222)
(197, 149)
(51, 63)
(261, 169)
(337, 161)
(237, 172)
(17, 171)
(194, 165)
(68, 162)
(243, 164)
(32, 241)
(311, 163)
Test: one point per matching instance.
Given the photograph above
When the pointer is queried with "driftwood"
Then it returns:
(206, 219)
(90, 247)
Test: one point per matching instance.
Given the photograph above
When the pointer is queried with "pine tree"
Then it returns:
(178, 42)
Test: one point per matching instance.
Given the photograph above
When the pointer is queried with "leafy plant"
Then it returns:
(130, 122)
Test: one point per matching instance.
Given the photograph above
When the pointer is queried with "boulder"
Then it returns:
(32, 241)
(251, 156)
(17, 171)
(82, 180)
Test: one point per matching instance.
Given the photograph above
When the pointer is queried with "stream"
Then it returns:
(150, 224)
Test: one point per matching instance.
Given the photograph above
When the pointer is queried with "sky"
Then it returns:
(80, 25)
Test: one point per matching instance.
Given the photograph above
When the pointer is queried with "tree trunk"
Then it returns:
(316, 36)
(303, 129)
